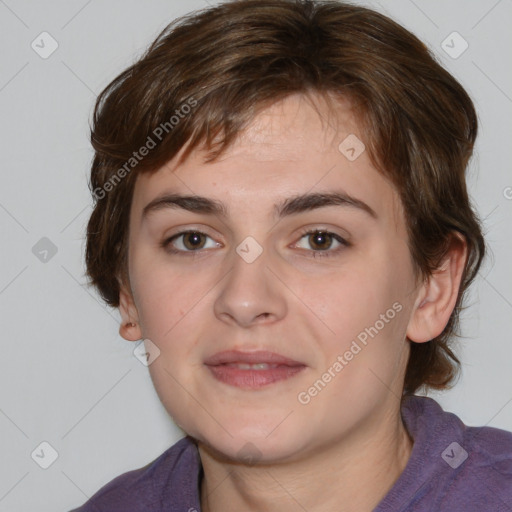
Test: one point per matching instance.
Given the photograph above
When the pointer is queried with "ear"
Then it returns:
(437, 297)
(130, 328)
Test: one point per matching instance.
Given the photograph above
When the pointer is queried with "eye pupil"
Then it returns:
(319, 238)
(196, 243)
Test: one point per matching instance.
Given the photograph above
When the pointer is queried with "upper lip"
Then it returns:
(261, 356)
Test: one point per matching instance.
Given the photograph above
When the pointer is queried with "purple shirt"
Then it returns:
(452, 468)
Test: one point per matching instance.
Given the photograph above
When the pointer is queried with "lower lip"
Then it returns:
(253, 379)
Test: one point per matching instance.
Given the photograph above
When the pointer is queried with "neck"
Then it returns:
(351, 475)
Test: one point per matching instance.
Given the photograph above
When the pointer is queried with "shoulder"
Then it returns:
(167, 479)
(471, 466)
(486, 471)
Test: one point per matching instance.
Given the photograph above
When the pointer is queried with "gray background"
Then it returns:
(66, 375)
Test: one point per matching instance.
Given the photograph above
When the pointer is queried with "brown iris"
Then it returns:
(320, 240)
(195, 240)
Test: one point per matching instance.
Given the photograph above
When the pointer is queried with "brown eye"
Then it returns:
(320, 240)
(321, 243)
(192, 240)
(188, 242)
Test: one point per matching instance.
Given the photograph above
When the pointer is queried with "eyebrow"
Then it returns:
(290, 206)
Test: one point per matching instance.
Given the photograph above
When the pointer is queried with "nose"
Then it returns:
(250, 294)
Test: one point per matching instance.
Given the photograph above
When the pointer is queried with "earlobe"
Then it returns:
(130, 328)
(438, 295)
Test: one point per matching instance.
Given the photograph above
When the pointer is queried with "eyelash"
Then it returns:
(327, 253)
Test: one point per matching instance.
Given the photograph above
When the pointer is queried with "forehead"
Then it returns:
(289, 148)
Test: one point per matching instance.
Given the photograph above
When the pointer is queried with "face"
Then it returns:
(329, 285)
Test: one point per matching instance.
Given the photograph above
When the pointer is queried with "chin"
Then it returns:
(250, 447)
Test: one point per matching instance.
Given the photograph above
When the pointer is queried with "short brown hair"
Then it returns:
(233, 60)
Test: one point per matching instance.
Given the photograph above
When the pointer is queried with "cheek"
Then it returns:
(349, 298)
(164, 296)
(365, 304)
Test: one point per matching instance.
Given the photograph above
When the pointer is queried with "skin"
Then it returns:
(345, 448)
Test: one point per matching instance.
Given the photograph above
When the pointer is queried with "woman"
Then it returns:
(282, 215)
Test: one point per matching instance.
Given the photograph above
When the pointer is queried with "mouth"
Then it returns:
(252, 370)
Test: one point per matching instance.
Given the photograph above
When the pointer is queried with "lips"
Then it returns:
(252, 370)
(236, 357)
